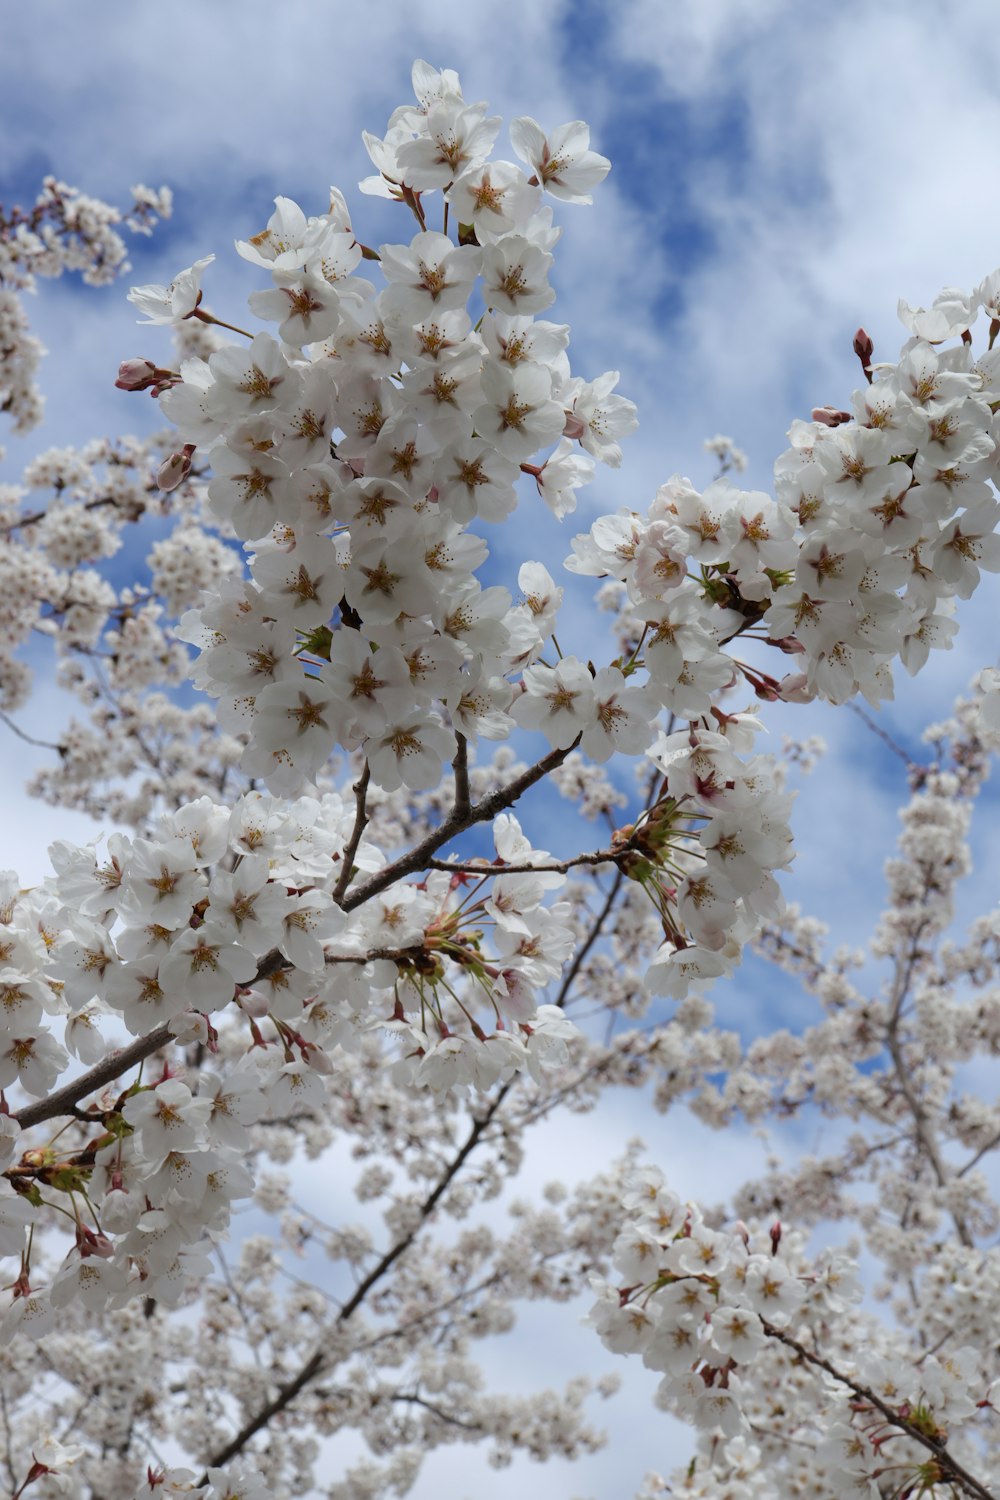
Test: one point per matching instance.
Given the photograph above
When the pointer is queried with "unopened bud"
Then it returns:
(795, 689)
(864, 349)
(830, 416)
(93, 1242)
(136, 375)
(775, 1236)
(315, 1058)
(174, 470)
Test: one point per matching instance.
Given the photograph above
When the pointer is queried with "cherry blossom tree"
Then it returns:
(317, 922)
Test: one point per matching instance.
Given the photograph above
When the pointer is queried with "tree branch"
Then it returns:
(442, 1416)
(360, 823)
(65, 1100)
(456, 822)
(29, 739)
(287, 1392)
(553, 867)
(923, 1128)
(951, 1469)
(590, 940)
(460, 766)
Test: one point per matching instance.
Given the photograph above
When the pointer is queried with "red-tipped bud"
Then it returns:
(830, 416)
(775, 1236)
(741, 1229)
(864, 349)
(92, 1242)
(174, 470)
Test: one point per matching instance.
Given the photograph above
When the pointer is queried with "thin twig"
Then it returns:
(460, 766)
(360, 823)
(443, 1416)
(29, 739)
(883, 735)
(552, 867)
(591, 939)
(905, 969)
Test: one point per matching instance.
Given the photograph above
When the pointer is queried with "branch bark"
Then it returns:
(951, 1469)
(456, 822)
(65, 1100)
(287, 1392)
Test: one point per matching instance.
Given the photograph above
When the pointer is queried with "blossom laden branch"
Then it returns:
(950, 1471)
(457, 822)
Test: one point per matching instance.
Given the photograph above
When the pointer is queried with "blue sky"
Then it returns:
(781, 173)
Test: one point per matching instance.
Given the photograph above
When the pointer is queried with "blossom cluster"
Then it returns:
(64, 230)
(883, 516)
(725, 1315)
(241, 907)
(352, 456)
(324, 963)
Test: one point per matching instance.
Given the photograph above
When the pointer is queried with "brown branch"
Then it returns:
(29, 739)
(887, 740)
(65, 1100)
(35, 516)
(442, 1416)
(553, 867)
(923, 1128)
(973, 1161)
(590, 940)
(360, 823)
(455, 823)
(460, 766)
(287, 1392)
(950, 1467)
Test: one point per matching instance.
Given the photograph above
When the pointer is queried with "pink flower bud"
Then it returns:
(795, 689)
(863, 346)
(174, 470)
(830, 416)
(136, 375)
(92, 1242)
(864, 349)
